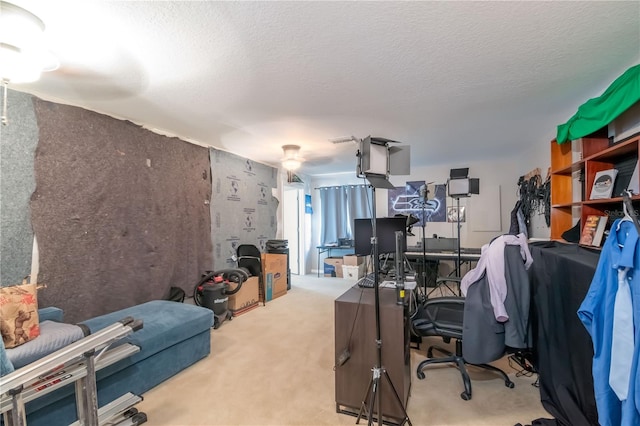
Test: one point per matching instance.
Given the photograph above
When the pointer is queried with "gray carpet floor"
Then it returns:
(274, 366)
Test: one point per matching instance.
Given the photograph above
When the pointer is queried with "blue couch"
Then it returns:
(174, 336)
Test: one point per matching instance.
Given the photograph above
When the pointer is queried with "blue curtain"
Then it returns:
(339, 206)
(359, 198)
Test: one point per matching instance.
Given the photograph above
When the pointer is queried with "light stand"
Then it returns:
(458, 262)
(423, 201)
(424, 251)
(377, 160)
(460, 185)
(373, 394)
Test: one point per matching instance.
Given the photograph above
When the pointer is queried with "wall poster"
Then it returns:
(406, 200)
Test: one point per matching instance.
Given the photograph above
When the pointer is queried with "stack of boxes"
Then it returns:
(350, 266)
(274, 275)
(353, 266)
(333, 267)
(246, 298)
(274, 284)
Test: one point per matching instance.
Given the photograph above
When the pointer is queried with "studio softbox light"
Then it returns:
(463, 187)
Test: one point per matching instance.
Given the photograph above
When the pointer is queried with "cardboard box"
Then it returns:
(353, 272)
(274, 275)
(333, 267)
(352, 259)
(246, 298)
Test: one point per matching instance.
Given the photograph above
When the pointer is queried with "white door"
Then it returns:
(291, 229)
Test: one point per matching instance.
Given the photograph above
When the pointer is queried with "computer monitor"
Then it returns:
(386, 228)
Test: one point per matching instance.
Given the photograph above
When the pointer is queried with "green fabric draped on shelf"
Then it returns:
(598, 112)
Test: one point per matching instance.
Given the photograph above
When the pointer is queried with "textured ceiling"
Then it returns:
(455, 80)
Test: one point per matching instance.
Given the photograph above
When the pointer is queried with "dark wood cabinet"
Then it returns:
(355, 329)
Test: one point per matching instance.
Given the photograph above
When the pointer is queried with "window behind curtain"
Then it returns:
(339, 206)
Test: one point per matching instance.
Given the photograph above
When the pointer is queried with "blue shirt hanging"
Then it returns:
(597, 312)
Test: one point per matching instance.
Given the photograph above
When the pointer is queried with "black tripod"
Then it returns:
(374, 394)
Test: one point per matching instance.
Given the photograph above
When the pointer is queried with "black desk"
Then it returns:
(328, 249)
(560, 278)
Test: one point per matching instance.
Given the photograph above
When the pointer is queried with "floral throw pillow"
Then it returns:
(18, 314)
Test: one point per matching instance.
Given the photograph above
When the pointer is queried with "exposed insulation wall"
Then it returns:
(120, 213)
(243, 210)
(18, 141)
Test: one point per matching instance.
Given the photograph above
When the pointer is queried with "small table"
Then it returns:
(328, 249)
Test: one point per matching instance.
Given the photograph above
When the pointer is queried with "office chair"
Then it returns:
(443, 317)
(249, 258)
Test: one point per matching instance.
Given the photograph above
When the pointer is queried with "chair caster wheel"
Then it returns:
(509, 384)
(465, 396)
(420, 375)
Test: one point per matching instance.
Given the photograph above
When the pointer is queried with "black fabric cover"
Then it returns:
(572, 235)
(560, 278)
(120, 213)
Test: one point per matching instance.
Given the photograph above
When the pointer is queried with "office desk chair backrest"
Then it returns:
(440, 316)
(249, 257)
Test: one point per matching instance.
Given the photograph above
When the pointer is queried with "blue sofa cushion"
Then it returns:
(53, 336)
(44, 314)
(50, 313)
(6, 366)
(165, 323)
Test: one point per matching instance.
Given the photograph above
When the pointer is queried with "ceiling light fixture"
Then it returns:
(292, 159)
(22, 54)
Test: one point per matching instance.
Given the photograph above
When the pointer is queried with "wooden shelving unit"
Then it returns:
(573, 168)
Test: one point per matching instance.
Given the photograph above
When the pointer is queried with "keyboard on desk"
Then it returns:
(463, 250)
(430, 250)
(471, 250)
(368, 281)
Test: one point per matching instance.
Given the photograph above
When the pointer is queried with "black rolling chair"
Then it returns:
(443, 317)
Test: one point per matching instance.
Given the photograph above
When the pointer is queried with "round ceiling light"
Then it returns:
(292, 159)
